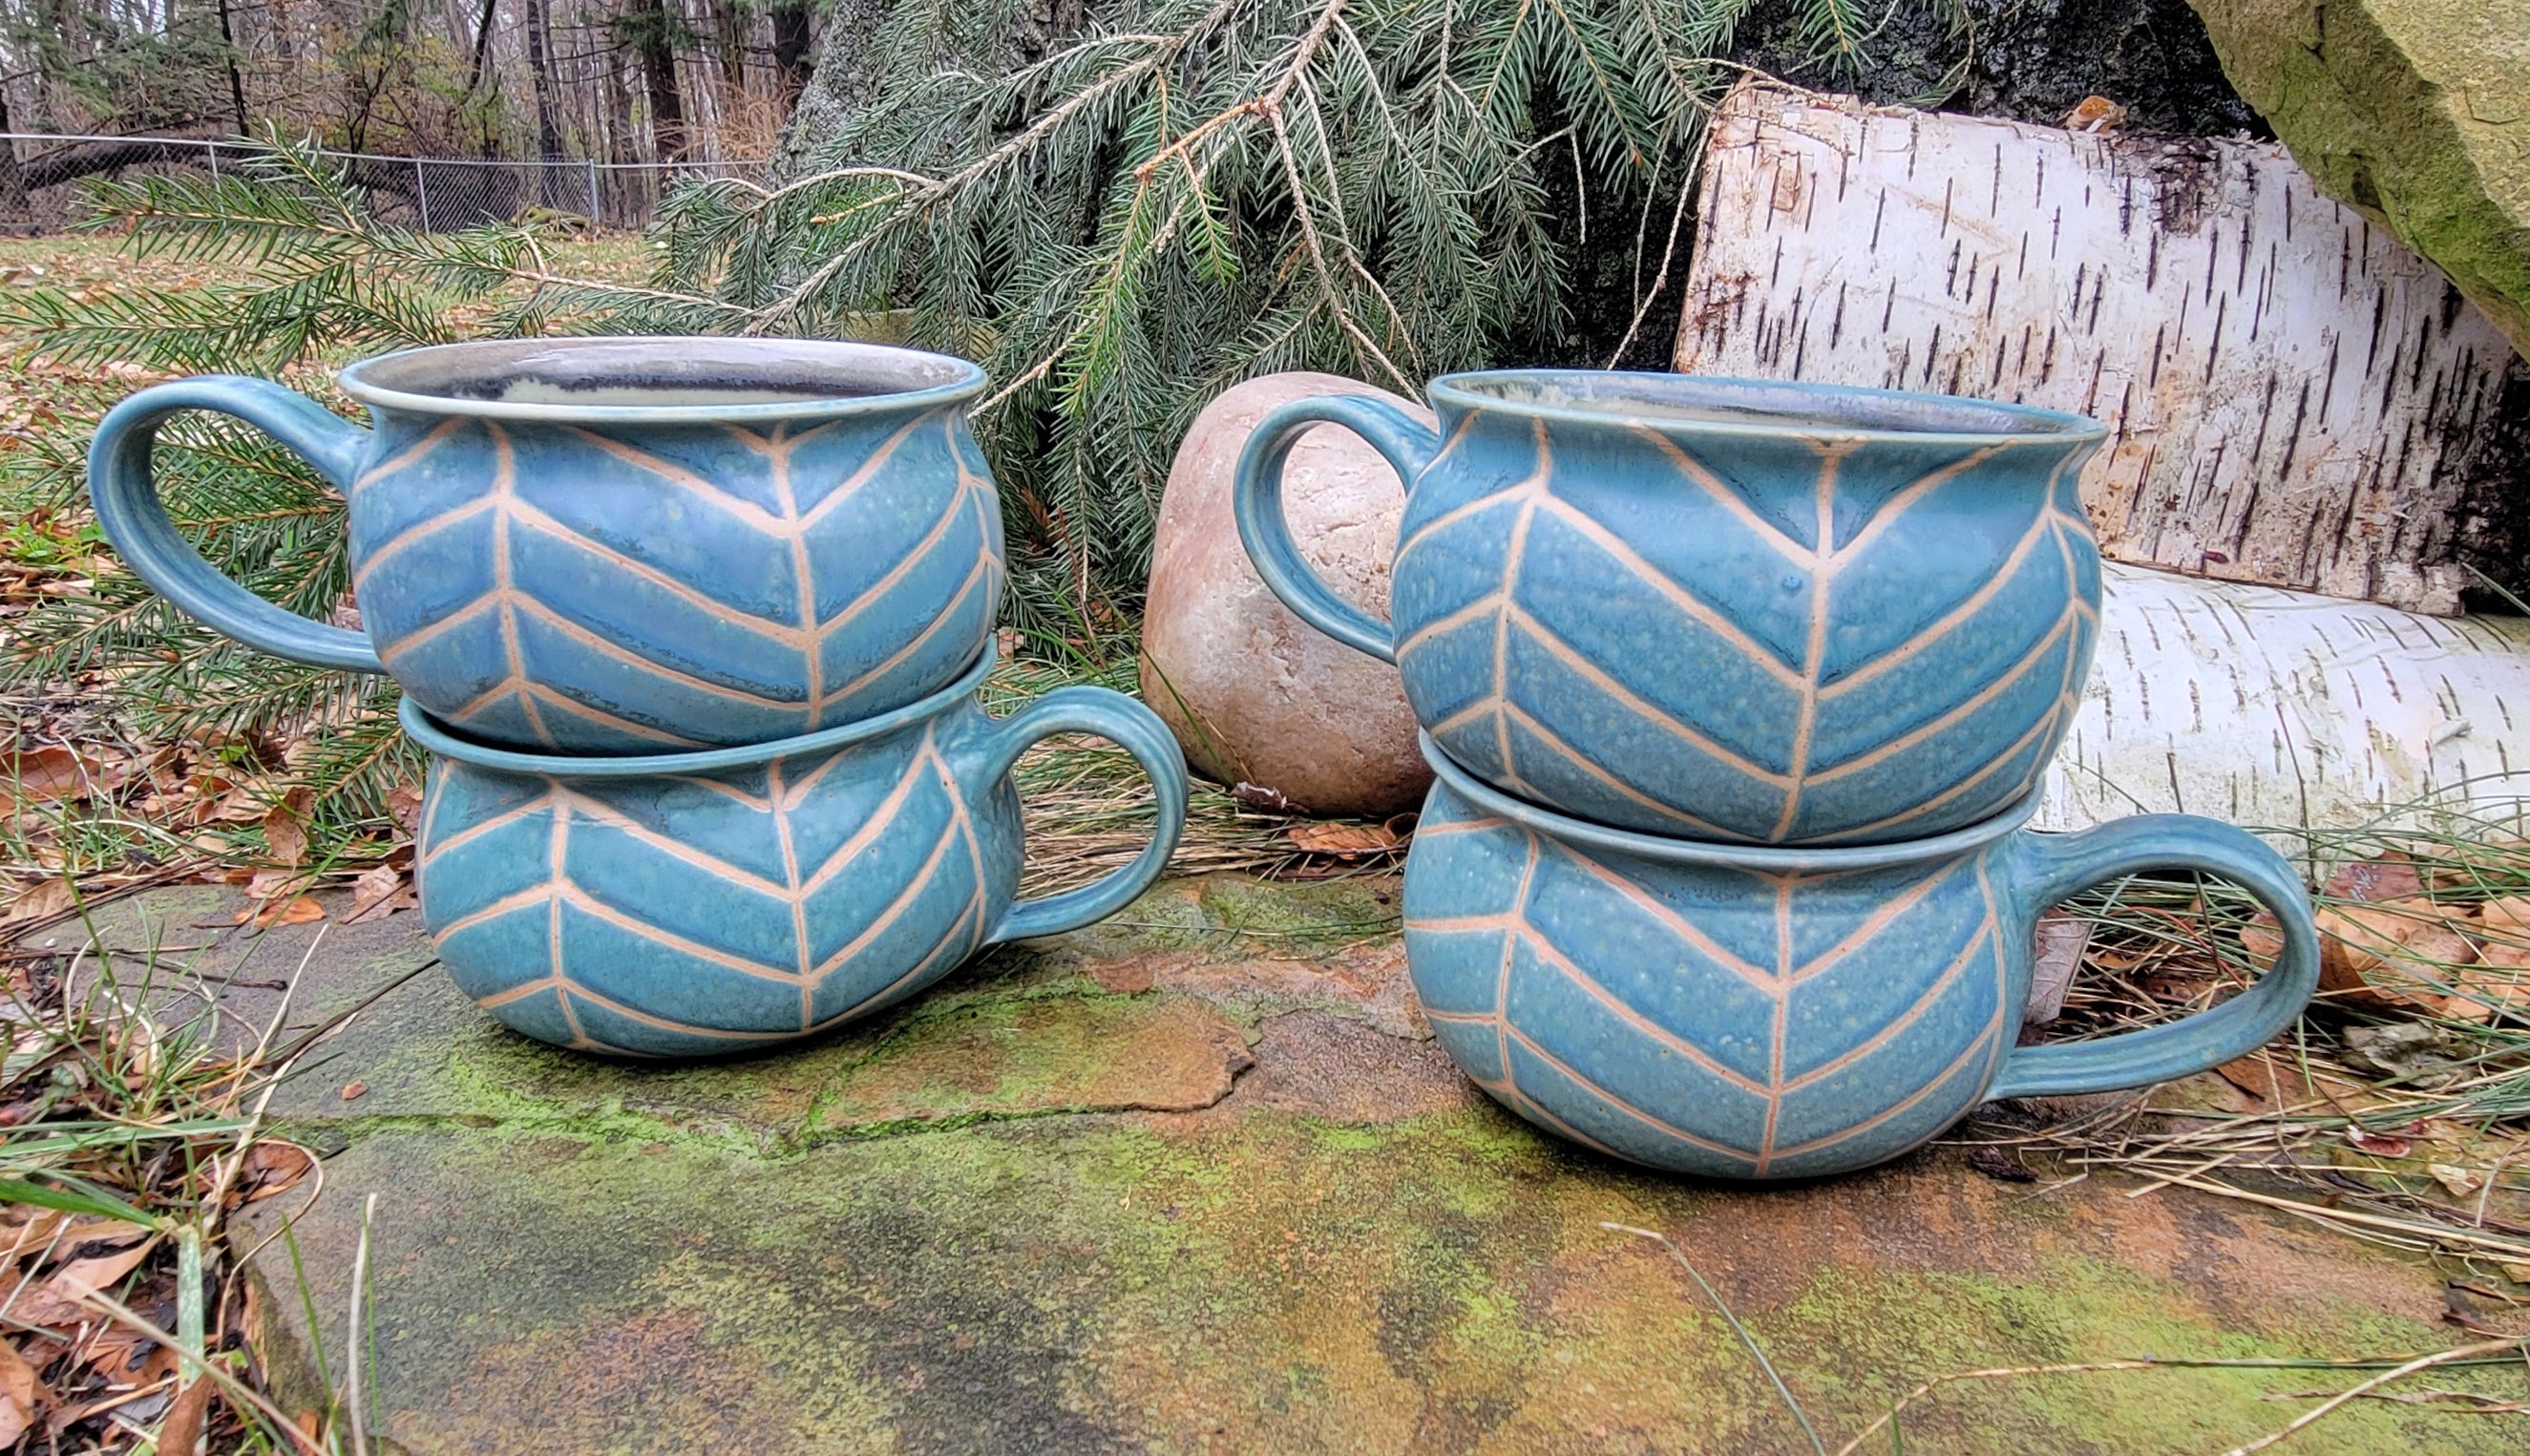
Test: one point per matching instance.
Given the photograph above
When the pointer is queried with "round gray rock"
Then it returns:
(1256, 695)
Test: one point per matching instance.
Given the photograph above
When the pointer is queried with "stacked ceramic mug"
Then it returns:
(693, 630)
(1739, 695)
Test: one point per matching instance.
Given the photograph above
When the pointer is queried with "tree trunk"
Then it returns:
(548, 127)
(729, 35)
(793, 51)
(651, 42)
(229, 55)
(2294, 398)
(12, 179)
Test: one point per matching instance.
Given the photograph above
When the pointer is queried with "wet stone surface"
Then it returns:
(1193, 1181)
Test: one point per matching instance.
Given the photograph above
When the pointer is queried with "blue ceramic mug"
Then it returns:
(618, 544)
(696, 904)
(1727, 609)
(1757, 1012)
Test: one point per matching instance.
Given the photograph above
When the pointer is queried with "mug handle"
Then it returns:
(1406, 443)
(2066, 864)
(1139, 730)
(135, 519)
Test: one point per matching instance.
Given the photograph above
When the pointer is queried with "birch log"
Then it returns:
(2296, 398)
(2287, 709)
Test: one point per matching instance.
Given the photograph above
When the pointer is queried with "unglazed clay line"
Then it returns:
(954, 939)
(423, 530)
(543, 803)
(1813, 653)
(2003, 682)
(1590, 768)
(880, 820)
(1620, 1104)
(803, 574)
(598, 812)
(2041, 729)
(535, 520)
(976, 576)
(1898, 505)
(703, 491)
(514, 901)
(1588, 526)
(414, 453)
(1517, 915)
(1970, 606)
(1600, 678)
(1872, 924)
(791, 875)
(1733, 504)
(589, 905)
(869, 469)
(905, 900)
(1548, 954)
(617, 652)
(1758, 976)
(1983, 943)
(1931, 1084)
(961, 817)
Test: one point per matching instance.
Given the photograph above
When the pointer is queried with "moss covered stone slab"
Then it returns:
(963, 1228)
(2415, 111)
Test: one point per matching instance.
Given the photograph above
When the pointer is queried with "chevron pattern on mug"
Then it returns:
(671, 585)
(667, 917)
(1804, 639)
(1724, 1023)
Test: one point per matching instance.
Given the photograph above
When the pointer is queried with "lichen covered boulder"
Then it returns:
(2415, 111)
(1256, 695)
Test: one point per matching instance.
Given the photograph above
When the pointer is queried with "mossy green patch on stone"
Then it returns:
(1023, 1055)
(2414, 111)
(1170, 1283)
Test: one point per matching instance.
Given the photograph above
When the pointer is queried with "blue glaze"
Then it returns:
(1747, 1011)
(813, 539)
(696, 904)
(1727, 610)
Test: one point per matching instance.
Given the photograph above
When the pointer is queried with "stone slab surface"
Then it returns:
(1194, 1181)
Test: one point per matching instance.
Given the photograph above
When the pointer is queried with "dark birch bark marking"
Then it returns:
(1876, 217)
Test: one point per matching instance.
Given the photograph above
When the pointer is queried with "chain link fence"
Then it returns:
(433, 193)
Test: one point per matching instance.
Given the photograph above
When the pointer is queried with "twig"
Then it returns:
(1746, 1339)
(2421, 1362)
(352, 1411)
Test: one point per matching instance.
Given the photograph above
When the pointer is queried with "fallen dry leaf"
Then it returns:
(285, 825)
(2519, 1274)
(2393, 954)
(2380, 1145)
(273, 1167)
(42, 899)
(2392, 876)
(1347, 841)
(181, 1432)
(2282, 1080)
(2508, 914)
(21, 1394)
(52, 775)
(404, 805)
(298, 909)
(2458, 1181)
(352, 1091)
(378, 893)
(59, 1301)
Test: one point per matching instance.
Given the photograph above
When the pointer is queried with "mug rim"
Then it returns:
(970, 382)
(444, 741)
(2068, 428)
(1761, 857)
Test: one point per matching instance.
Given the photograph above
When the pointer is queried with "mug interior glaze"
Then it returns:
(1763, 1013)
(703, 903)
(620, 544)
(1737, 610)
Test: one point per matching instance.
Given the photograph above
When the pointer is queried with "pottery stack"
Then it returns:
(1738, 694)
(693, 631)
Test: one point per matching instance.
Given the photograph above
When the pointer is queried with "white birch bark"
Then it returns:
(2283, 708)
(2295, 398)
